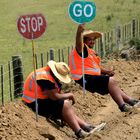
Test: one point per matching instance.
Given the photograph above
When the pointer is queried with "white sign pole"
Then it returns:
(32, 27)
(82, 12)
(34, 65)
(84, 91)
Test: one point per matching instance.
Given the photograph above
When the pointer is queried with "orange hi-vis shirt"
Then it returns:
(29, 86)
(91, 64)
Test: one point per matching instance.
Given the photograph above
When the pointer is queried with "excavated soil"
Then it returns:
(17, 122)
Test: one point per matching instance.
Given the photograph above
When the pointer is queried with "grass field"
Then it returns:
(61, 29)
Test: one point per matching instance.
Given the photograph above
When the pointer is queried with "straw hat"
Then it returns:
(90, 33)
(60, 70)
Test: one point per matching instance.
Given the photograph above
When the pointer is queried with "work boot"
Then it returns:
(133, 102)
(82, 134)
(98, 128)
(88, 127)
(137, 105)
(125, 108)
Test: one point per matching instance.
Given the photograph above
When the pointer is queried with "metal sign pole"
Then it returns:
(86, 14)
(32, 32)
(83, 65)
(34, 65)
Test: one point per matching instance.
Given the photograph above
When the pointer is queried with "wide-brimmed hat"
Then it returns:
(90, 33)
(60, 70)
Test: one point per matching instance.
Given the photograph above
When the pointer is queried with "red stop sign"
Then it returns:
(31, 26)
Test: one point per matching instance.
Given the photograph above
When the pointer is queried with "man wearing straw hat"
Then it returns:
(95, 77)
(52, 102)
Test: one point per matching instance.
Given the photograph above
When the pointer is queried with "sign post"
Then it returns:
(81, 11)
(32, 27)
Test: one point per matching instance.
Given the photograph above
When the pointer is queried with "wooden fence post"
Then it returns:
(59, 57)
(101, 48)
(18, 76)
(36, 61)
(129, 30)
(62, 55)
(42, 62)
(51, 54)
(133, 28)
(2, 86)
(138, 28)
(68, 55)
(118, 37)
(10, 85)
(47, 56)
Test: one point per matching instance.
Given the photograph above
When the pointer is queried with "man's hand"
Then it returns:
(81, 28)
(54, 95)
(110, 73)
(71, 97)
(79, 41)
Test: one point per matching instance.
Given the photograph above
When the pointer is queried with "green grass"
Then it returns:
(61, 29)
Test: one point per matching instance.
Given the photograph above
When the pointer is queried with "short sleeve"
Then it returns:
(85, 52)
(46, 84)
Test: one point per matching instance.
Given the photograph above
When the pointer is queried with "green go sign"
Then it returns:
(82, 11)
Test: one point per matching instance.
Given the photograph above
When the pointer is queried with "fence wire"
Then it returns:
(105, 46)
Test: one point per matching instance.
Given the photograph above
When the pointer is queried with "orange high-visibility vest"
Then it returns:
(29, 86)
(91, 64)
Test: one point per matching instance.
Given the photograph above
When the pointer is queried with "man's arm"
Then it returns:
(54, 95)
(49, 89)
(107, 71)
(78, 44)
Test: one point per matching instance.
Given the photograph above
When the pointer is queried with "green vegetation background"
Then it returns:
(61, 29)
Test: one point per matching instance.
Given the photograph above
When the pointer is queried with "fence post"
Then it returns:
(62, 55)
(18, 76)
(36, 61)
(51, 54)
(42, 62)
(68, 54)
(138, 28)
(102, 47)
(10, 85)
(118, 37)
(2, 86)
(133, 28)
(47, 56)
(59, 58)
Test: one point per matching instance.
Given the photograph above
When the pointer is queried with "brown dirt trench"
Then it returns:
(17, 122)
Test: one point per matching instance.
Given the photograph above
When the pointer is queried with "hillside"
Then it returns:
(18, 122)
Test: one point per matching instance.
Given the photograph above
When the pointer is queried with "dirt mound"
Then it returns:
(19, 122)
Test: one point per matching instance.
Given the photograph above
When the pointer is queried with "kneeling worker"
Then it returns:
(52, 102)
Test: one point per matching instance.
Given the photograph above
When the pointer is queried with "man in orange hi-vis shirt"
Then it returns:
(96, 78)
(52, 101)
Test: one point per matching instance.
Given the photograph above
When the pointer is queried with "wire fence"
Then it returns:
(12, 74)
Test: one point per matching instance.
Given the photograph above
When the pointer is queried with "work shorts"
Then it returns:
(95, 83)
(48, 108)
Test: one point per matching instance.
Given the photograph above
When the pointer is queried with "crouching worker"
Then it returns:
(52, 102)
